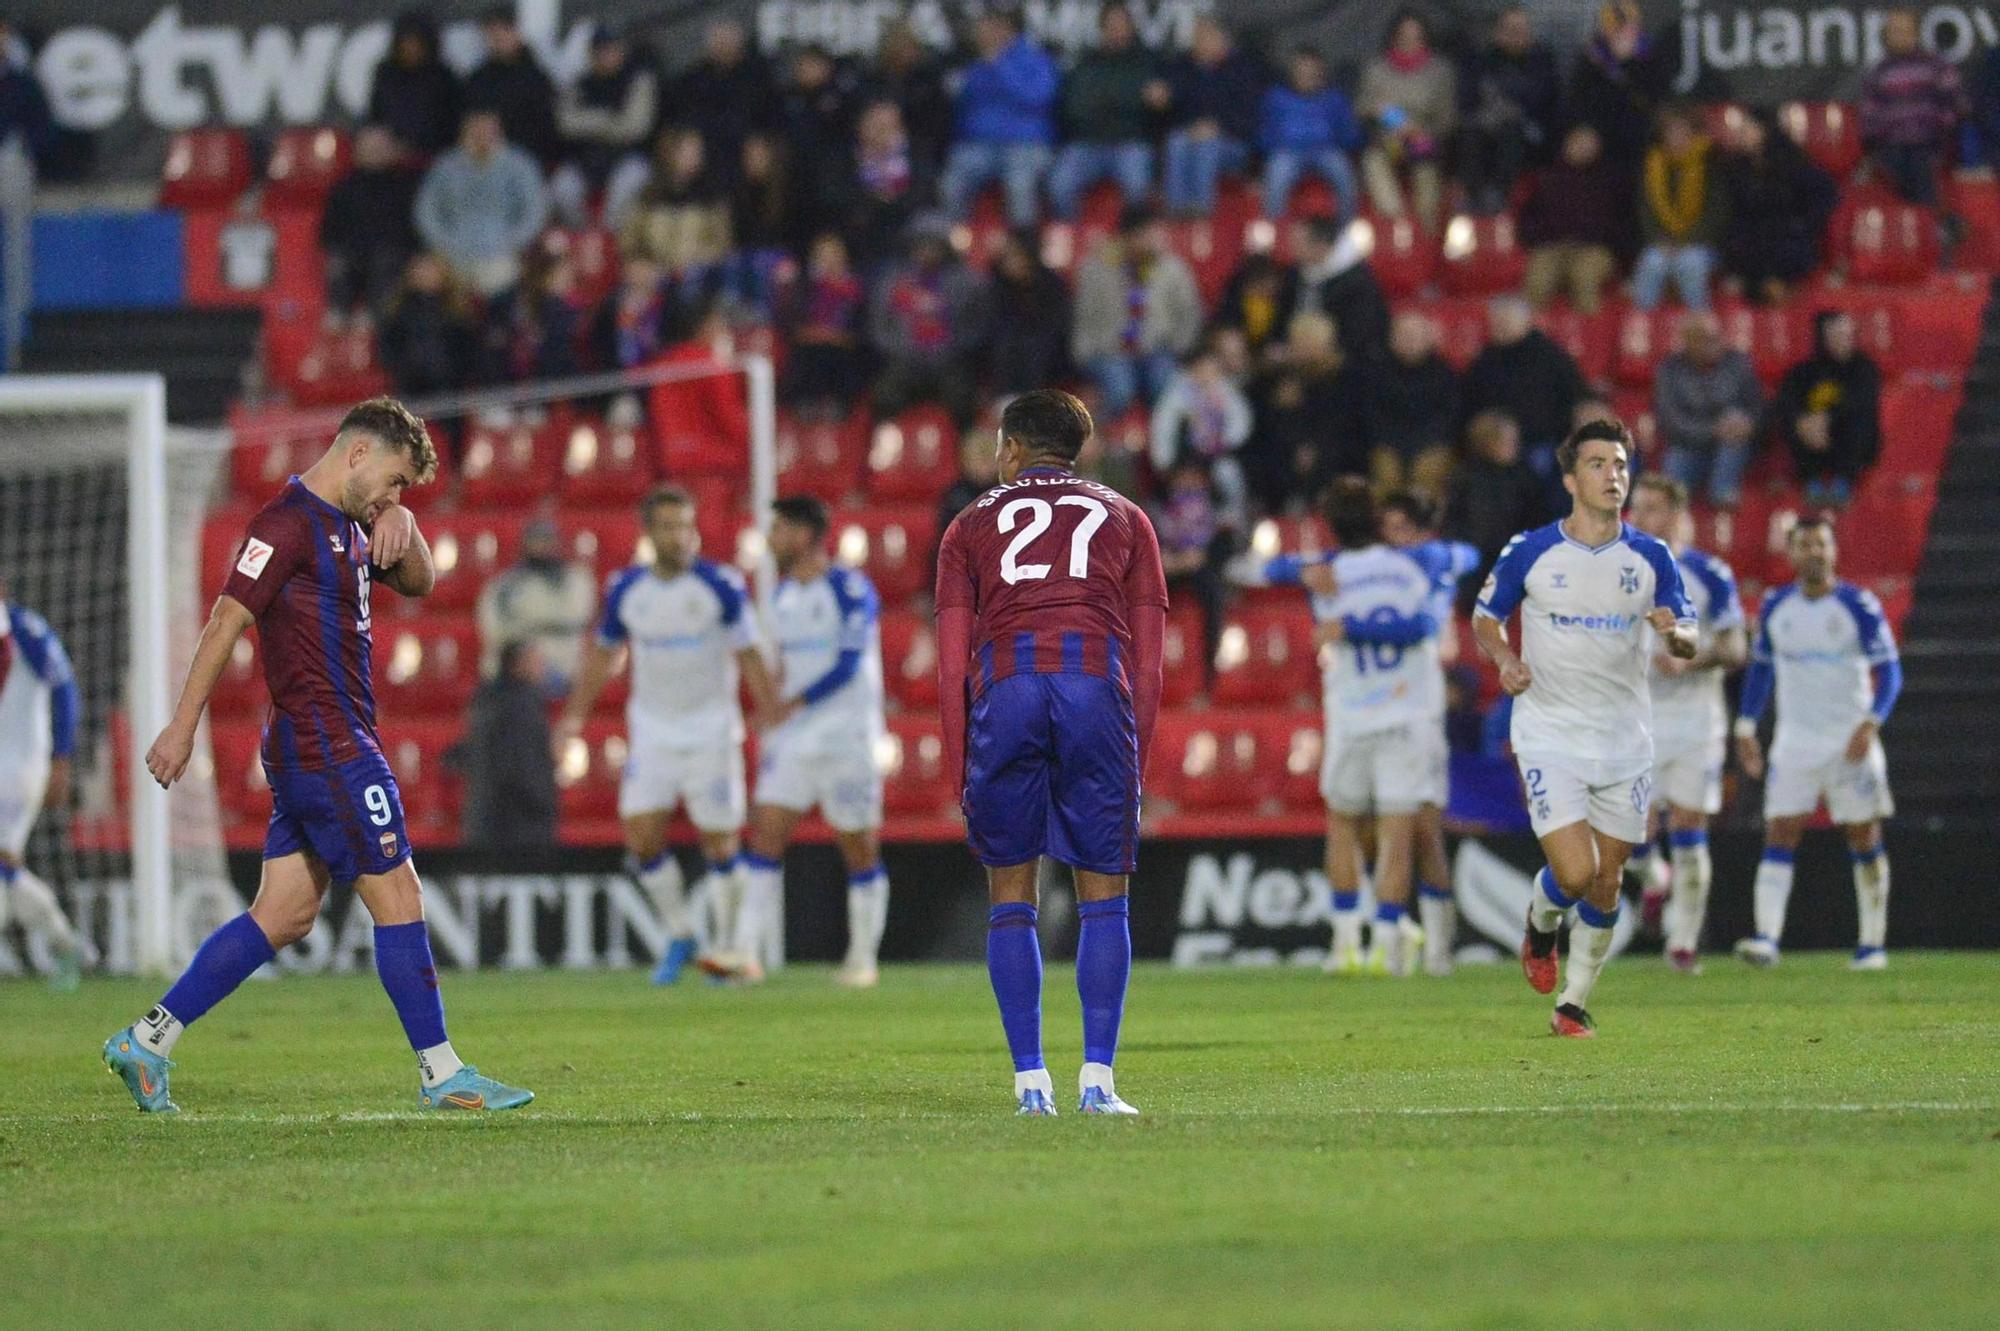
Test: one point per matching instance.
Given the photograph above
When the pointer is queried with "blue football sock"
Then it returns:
(1103, 968)
(226, 958)
(1014, 960)
(403, 961)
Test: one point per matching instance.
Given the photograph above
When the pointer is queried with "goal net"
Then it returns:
(100, 515)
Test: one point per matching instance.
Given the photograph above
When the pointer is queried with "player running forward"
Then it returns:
(303, 577)
(1051, 614)
(1408, 522)
(38, 716)
(689, 627)
(1690, 716)
(1373, 605)
(819, 743)
(1587, 588)
(1828, 647)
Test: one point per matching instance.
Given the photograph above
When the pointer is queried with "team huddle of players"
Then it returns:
(1051, 607)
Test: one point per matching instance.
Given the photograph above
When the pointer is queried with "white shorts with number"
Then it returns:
(846, 785)
(1689, 775)
(1854, 792)
(1611, 798)
(21, 791)
(1385, 771)
(709, 781)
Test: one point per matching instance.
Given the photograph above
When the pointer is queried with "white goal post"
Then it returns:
(50, 419)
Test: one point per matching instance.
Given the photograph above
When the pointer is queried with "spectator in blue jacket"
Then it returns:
(1109, 101)
(1006, 122)
(1217, 90)
(1309, 129)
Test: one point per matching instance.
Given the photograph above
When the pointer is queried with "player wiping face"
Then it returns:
(303, 576)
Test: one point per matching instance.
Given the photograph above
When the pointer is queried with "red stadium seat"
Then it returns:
(820, 458)
(1882, 531)
(606, 465)
(1211, 252)
(1890, 242)
(1461, 328)
(1587, 337)
(240, 786)
(1183, 656)
(1720, 121)
(913, 457)
(1266, 655)
(1218, 763)
(607, 539)
(1402, 256)
(1292, 744)
(910, 659)
(593, 256)
(892, 545)
(432, 793)
(1917, 418)
(1830, 133)
(205, 167)
(339, 369)
(306, 164)
(914, 778)
(1775, 338)
(469, 549)
(588, 775)
(240, 694)
(426, 667)
(1482, 256)
(221, 534)
(511, 465)
(1645, 338)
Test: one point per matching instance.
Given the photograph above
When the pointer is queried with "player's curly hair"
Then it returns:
(1349, 508)
(387, 420)
(1049, 423)
(1602, 430)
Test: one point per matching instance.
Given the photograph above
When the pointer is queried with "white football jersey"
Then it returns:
(1446, 562)
(829, 640)
(684, 633)
(1690, 707)
(1377, 685)
(38, 694)
(1583, 637)
(1824, 653)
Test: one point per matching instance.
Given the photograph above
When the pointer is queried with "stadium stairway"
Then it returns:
(202, 352)
(1945, 737)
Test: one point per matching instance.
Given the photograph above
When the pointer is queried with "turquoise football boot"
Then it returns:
(466, 1089)
(143, 1072)
(674, 960)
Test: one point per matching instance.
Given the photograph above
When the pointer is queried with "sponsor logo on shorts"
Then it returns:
(388, 843)
(255, 555)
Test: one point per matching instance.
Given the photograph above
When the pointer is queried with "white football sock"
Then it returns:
(159, 1030)
(1687, 910)
(662, 880)
(1871, 896)
(1545, 914)
(438, 1064)
(1438, 913)
(1347, 927)
(763, 883)
(1771, 892)
(1645, 863)
(867, 913)
(726, 898)
(35, 906)
(1589, 947)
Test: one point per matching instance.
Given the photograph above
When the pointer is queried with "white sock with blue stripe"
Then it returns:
(867, 913)
(1546, 903)
(763, 897)
(1772, 892)
(661, 877)
(1589, 948)
(1871, 896)
(1688, 906)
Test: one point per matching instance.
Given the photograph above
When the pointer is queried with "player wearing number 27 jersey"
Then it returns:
(1051, 609)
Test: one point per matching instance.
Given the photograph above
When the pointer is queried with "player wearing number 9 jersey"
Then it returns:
(302, 576)
(1051, 612)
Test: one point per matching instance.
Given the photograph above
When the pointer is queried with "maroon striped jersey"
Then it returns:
(1052, 566)
(303, 571)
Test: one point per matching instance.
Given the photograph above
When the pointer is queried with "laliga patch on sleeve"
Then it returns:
(256, 554)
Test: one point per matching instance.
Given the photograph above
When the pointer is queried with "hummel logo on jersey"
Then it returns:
(1559, 580)
(333, 539)
(1628, 579)
(255, 555)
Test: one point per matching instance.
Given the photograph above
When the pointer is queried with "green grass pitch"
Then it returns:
(1801, 1148)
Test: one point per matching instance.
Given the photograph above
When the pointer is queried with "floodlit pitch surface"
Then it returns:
(1800, 1148)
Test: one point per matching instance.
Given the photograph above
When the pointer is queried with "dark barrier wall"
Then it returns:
(1197, 902)
(129, 72)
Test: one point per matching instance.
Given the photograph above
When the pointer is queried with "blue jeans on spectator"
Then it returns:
(1285, 167)
(1081, 165)
(1192, 168)
(1828, 491)
(1125, 381)
(1912, 169)
(1019, 167)
(1716, 472)
(1688, 265)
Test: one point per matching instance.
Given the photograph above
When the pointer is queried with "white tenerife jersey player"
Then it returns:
(683, 720)
(1584, 726)
(829, 642)
(1690, 715)
(38, 718)
(1378, 683)
(1824, 653)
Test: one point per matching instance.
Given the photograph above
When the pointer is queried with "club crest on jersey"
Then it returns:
(1628, 578)
(388, 843)
(255, 555)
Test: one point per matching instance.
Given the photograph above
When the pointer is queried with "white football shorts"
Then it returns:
(709, 781)
(1611, 798)
(21, 792)
(1689, 775)
(1854, 792)
(1384, 771)
(846, 785)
